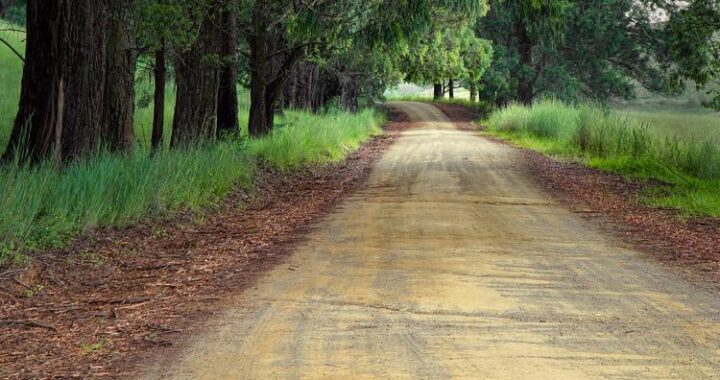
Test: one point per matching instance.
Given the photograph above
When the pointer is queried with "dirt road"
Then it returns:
(450, 263)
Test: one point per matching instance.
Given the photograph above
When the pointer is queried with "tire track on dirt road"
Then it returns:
(451, 263)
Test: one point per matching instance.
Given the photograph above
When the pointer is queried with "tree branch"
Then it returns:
(13, 50)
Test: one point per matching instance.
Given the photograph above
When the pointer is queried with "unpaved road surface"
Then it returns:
(450, 263)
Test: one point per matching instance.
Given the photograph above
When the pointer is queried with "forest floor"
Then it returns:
(432, 252)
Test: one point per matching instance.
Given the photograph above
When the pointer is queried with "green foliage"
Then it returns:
(613, 141)
(574, 50)
(695, 46)
(15, 12)
(44, 206)
(174, 23)
(449, 52)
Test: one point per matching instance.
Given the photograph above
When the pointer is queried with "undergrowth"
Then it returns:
(615, 142)
(304, 138)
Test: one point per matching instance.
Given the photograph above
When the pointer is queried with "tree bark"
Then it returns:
(227, 94)
(525, 90)
(84, 78)
(348, 92)
(473, 92)
(271, 63)
(451, 88)
(197, 78)
(63, 93)
(259, 122)
(34, 130)
(119, 98)
(438, 91)
(160, 74)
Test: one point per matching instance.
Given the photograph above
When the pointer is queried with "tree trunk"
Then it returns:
(197, 79)
(62, 99)
(227, 95)
(160, 73)
(451, 88)
(259, 122)
(348, 92)
(271, 63)
(473, 92)
(34, 130)
(438, 91)
(525, 90)
(84, 78)
(119, 98)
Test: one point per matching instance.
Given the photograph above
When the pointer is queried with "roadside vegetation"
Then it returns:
(628, 144)
(45, 207)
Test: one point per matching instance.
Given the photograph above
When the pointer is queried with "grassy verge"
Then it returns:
(623, 144)
(45, 207)
(305, 138)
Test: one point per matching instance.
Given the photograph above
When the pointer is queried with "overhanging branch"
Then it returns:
(13, 50)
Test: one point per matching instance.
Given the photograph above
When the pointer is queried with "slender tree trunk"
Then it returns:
(159, 98)
(197, 79)
(227, 95)
(525, 90)
(473, 92)
(438, 91)
(451, 88)
(348, 92)
(117, 122)
(259, 121)
(269, 72)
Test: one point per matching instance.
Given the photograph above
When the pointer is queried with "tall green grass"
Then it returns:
(686, 123)
(623, 144)
(305, 138)
(44, 206)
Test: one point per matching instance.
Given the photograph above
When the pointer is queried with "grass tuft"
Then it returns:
(307, 139)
